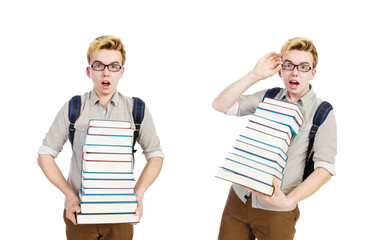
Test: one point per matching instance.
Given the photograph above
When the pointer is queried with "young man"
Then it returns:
(106, 57)
(249, 214)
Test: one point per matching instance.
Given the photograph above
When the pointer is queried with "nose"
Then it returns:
(295, 71)
(106, 71)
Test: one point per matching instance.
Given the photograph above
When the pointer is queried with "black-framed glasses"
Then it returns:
(301, 67)
(113, 67)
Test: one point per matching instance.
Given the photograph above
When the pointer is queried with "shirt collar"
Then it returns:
(94, 98)
(304, 100)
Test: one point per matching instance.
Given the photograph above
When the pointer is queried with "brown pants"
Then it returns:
(123, 231)
(242, 222)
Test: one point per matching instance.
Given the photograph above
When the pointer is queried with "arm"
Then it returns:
(55, 176)
(266, 67)
(149, 174)
(313, 183)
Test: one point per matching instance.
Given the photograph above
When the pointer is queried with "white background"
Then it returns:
(181, 54)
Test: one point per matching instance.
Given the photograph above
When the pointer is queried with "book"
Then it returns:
(259, 159)
(107, 218)
(111, 131)
(271, 124)
(102, 183)
(108, 175)
(108, 140)
(280, 115)
(125, 157)
(264, 145)
(106, 149)
(109, 123)
(108, 207)
(106, 197)
(266, 154)
(266, 138)
(270, 131)
(106, 166)
(252, 172)
(104, 191)
(285, 104)
(284, 108)
(245, 181)
(255, 164)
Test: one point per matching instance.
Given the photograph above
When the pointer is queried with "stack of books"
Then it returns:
(259, 155)
(107, 179)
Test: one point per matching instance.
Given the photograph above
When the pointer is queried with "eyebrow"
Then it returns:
(302, 63)
(97, 61)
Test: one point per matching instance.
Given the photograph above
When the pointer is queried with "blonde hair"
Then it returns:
(106, 42)
(301, 44)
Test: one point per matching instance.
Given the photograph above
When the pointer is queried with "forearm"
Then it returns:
(149, 174)
(308, 187)
(231, 94)
(54, 175)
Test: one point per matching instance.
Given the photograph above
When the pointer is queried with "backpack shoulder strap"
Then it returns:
(320, 115)
(272, 92)
(74, 113)
(138, 114)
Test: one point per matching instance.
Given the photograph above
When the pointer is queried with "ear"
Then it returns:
(279, 73)
(88, 71)
(313, 73)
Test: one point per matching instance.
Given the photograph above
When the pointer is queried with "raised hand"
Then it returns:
(268, 65)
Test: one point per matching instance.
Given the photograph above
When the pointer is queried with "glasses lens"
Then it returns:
(98, 66)
(287, 66)
(114, 67)
(303, 68)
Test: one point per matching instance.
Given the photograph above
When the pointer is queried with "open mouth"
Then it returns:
(105, 84)
(294, 83)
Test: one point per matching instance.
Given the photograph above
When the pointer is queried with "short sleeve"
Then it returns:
(57, 135)
(148, 138)
(325, 144)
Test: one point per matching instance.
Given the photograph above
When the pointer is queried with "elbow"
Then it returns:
(218, 107)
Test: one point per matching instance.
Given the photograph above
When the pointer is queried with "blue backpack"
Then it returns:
(320, 115)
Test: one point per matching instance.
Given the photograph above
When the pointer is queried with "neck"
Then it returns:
(105, 99)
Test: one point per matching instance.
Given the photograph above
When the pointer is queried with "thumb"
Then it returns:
(275, 183)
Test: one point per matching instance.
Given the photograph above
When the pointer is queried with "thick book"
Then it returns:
(110, 166)
(102, 183)
(126, 157)
(251, 172)
(266, 154)
(108, 140)
(108, 175)
(266, 138)
(109, 123)
(107, 218)
(106, 197)
(245, 181)
(106, 149)
(111, 131)
(108, 207)
(271, 124)
(255, 164)
(107, 191)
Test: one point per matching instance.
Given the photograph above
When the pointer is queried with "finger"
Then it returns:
(72, 217)
(275, 183)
